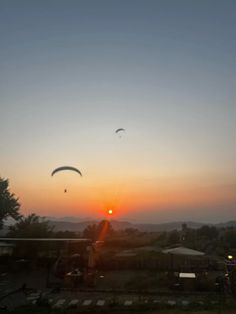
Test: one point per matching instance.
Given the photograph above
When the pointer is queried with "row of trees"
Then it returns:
(209, 239)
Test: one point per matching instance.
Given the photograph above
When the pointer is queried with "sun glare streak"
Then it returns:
(103, 233)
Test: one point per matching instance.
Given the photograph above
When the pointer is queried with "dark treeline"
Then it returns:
(209, 239)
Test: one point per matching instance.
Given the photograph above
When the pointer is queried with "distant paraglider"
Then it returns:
(120, 130)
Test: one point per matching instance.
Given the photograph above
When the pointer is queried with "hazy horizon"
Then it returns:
(133, 220)
(72, 72)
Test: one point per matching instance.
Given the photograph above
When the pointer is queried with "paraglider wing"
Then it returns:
(66, 168)
(119, 130)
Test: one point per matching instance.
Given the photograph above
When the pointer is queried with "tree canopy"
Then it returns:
(31, 226)
(9, 205)
(98, 231)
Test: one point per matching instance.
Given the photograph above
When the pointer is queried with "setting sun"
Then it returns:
(110, 211)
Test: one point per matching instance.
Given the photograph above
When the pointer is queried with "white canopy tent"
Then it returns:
(183, 251)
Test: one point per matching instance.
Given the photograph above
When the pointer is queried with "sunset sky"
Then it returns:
(72, 72)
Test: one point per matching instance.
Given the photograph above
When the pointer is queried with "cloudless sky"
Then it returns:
(72, 72)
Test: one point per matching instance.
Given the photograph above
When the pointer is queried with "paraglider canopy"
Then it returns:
(119, 130)
(66, 168)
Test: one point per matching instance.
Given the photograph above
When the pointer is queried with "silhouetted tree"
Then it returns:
(104, 229)
(32, 226)
(98, 231)
(162, 239)
(90, 232)
(9, 205)
(209, 232)
(173, 237)
(230, 237)
(131, 231)
(190, 238)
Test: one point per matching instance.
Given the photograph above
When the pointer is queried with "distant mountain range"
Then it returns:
(121, 225)
(78, 226)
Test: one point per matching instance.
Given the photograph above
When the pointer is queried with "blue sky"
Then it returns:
(74, 71)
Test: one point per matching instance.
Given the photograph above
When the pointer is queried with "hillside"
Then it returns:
(121, 225)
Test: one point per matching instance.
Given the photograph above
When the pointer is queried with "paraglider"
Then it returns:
(119, 130)
(66, 168)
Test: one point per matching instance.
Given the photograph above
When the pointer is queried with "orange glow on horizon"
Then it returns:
(106, 199)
